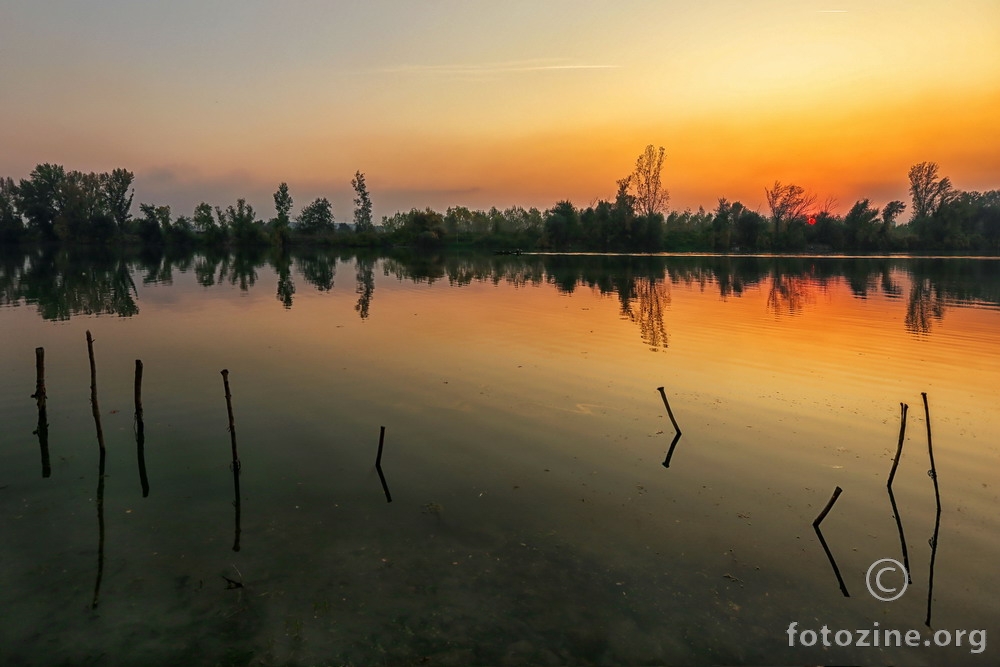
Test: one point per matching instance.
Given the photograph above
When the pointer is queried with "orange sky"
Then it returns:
(519, 103)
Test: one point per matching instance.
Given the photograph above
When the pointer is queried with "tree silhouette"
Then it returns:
(929, 192)
(650, 195)
(362, 204)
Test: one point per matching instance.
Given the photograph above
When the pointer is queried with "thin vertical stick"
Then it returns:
(232, 425)
(140, 430)
(930, 447)
(899, 447)
(43, 421)
(236, 459)
(669, 411)
(93, 391)
(138, 393)
(39, 394)
(930, 571)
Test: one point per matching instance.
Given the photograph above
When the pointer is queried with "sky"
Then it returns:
(516, 103)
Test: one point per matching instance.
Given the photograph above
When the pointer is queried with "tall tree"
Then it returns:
(282, 205)
(362, 204)
(241, 222)
(11, 223)
(928, 190)
(862, 225)
(117, 190)
(317, 217)
(650, 195)
(891, 211)
(82, 214)
(562, 225)
(39, 198)
(787, 203)
(154, 223)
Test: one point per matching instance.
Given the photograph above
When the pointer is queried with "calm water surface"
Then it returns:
(532, 520)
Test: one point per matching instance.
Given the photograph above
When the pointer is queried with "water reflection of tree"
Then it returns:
(639, 283)
(787, 293)
(318, 269)
(243, 267)
(925, 305)
(366, 284)
(282, 263)
(63, 283)
(646, 308)
(206, 267)
(99, 281)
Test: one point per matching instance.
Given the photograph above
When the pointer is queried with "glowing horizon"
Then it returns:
(446, 104)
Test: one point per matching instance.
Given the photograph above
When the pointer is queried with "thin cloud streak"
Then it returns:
(493, 68)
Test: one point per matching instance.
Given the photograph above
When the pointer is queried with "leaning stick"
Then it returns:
(829, 506)
(378, 465)
(930, 447)
(236, 459)
(899, 448)
(381, 439)
(232, 425)
(669, 411)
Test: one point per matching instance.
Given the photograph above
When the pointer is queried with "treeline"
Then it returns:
(55, 205)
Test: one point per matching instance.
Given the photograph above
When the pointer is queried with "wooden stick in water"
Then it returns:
(669, 411)
(937, 520)
(930, 447)
(43, 421)
(829, 505)
(381, 439)
(899, 447)
(93, 391)
(140, 431)
(378, 465)
(232, 425)
(236, 459)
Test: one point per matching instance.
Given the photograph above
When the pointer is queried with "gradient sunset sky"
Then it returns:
(470, 103)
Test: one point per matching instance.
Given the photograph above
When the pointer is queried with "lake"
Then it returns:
(532, 517)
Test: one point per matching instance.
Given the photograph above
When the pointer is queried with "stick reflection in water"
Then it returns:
(937, 517)
(140, 431)
(892, 498)
(819, 534)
